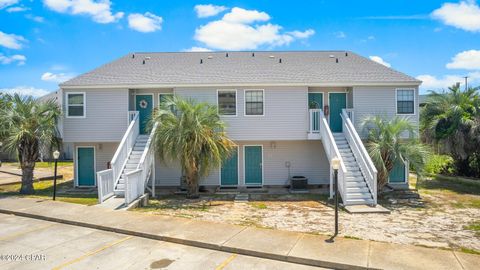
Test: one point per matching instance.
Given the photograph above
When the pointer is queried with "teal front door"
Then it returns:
(144, 105)
(397, 174)
(337, 102)
(86, 166)
(253, 166)
(229, 171)
(315, 100)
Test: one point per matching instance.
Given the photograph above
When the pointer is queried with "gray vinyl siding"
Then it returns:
(370, 101)
(103, 154)
(106, 116)
(307, 158)
(285, 113)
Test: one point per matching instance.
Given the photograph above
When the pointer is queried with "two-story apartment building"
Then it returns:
(290, 113)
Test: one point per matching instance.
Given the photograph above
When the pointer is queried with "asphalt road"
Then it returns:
(36, 244)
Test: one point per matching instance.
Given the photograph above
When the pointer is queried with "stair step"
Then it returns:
(120, 186)
(356, 184)
(131, 165)
(357, 189)
(140, 144)
(354, 174)
(358, 201)
(359, 195)
(138, 148)
(119, 193)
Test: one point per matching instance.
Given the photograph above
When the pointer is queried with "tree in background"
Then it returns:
(192, 133)
(450, 120)
(25, 125)
(391, 141)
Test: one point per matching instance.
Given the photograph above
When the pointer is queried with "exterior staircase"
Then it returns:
(357, 191)
(132, 163)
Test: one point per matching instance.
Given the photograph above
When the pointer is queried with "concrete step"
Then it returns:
(358, 201)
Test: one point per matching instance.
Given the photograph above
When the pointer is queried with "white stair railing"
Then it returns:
(125, 147)
(314, 120)
(332, 152)
(105, 185)
(361, 155)
(137, 180)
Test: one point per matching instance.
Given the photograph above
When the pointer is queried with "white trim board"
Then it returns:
(414, 101)
(84, 104)
(236, 102)
(245, 103)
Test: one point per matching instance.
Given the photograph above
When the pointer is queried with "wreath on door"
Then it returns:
(143, 104)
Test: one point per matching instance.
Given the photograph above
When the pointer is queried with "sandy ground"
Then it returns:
(412, 221)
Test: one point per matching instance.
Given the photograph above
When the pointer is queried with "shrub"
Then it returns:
(439, 164)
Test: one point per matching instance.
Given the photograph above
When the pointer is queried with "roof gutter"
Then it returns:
(152, 86)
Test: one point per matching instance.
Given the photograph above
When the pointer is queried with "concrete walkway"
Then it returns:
(264, 243)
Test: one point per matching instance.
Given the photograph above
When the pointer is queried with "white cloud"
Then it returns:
(18, 58)
(25, 90)
(236, 31)
(100, 11)
(340, 35)
(145, 23)
(35, 18)
(11, 41)
(466, 60)
(300, 34)
(7, 3)
(198, 49)
(17, 9)
(204, 11)
(464, 15)
(240, 15)
(379, 60)
(430, 82)
(58, 77)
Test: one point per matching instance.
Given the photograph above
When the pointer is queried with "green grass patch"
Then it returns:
(259, 205)
(453, 184)
(474, 226)
(352, 237)
(470, 251)
(44, 190)
(43, 164)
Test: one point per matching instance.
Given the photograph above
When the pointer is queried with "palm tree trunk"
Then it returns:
(192, 182)
(27, 179)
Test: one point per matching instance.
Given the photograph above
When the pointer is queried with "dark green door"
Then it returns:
(229, 172)
(253, 165)
(315, 100)
(144, 105)
(86, 166)
(397, 174)
(337, 102)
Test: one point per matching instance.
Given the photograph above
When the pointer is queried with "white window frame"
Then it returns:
(245, 103)
(236, 102)
(67, 115)
(414, 101)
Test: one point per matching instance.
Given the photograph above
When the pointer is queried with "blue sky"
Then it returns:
(44, 42)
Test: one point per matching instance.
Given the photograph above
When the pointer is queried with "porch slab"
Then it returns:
(396, 257)
(468, 261)
(366, 209)
(343, 253)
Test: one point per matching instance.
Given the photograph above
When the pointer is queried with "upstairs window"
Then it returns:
(76, 105)
(405, 101)
(227, 102)
(254, 102)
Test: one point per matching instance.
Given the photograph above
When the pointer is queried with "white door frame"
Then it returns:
(94, 164)
(244, 167)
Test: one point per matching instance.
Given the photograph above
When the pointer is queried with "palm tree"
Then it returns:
(26, 124)
(388, 144)
(450, 120)
(193, 134)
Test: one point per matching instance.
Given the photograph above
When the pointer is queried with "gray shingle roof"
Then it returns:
(211, 68)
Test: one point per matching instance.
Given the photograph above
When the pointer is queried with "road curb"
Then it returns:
(253, 253)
